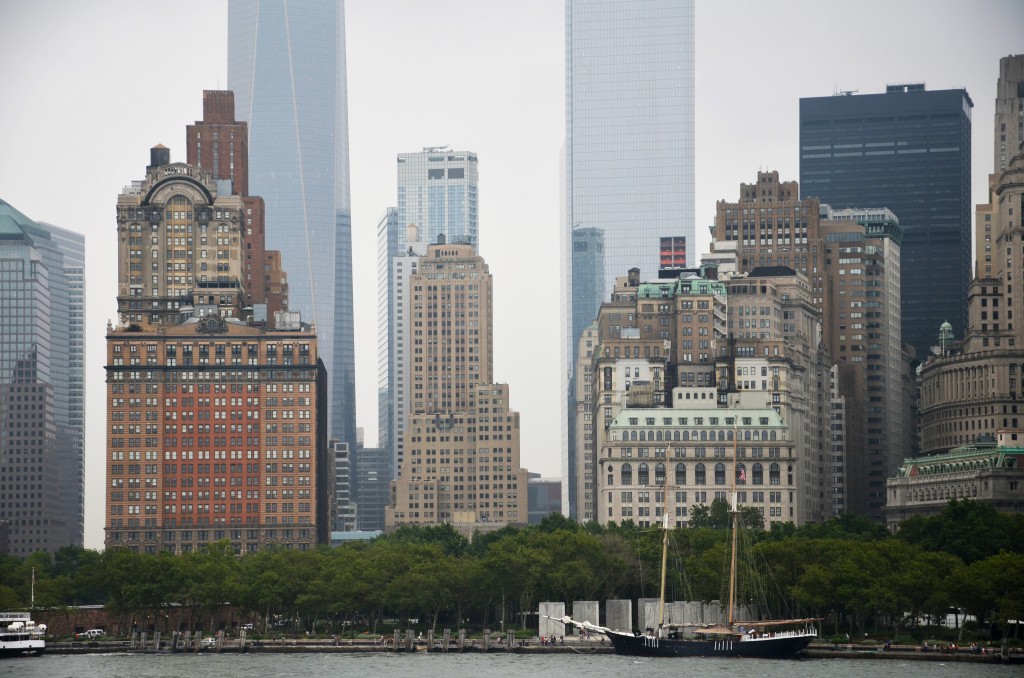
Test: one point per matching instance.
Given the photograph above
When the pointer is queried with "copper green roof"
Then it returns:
(690, 286)
(967, 458)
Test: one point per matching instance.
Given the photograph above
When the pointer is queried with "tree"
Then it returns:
(968, 529)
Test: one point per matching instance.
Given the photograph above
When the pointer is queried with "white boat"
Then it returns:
(20, 636)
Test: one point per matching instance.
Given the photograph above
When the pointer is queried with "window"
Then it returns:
(643, 475)
(758, 474)
(700, 476)
(627, 474)
(719, 474)
(773, 474)
(680, 474)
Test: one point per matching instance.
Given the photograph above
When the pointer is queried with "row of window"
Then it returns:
(700, 474)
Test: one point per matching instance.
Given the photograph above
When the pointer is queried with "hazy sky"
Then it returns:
(86, 88)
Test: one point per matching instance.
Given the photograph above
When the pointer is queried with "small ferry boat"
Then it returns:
(20, 636)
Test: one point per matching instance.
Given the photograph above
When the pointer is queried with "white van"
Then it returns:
(92, 633)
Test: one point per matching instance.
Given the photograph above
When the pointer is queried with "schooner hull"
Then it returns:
(781, 647)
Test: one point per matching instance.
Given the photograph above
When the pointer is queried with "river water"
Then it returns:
(423, 665)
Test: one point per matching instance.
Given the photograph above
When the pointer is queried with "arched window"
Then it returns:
(771, 435)
(643, 435)
(675, 436)
(650, 435)
(703, 435)
(699, 476)
(789, 474)
(611, 474)
(741, 473)
(719, 474)
(627, 474)
(746, 435)
(658, 435)
(643, 475)
(758, 474)
(680, 474)
(721, 435)
(659, 474)
(632, 435)
(686, 435)
(774, 475)
(728, 435)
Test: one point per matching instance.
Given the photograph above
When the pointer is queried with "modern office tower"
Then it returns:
(286, 66)
(674, 458)
(220, 143)
(387, 249)
(41, 384)
(72, 433)
(774, 358)
(437, 191)
(853, 267)
(973, 385)
(629, 156)
(394, 342)
(344, 508)
(362, 482)
(373, 476)
(545, 497)
(461, 461)
(908, 149)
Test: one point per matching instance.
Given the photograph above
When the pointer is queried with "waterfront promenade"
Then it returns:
(477, 644)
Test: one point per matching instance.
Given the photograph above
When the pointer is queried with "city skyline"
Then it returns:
(75, 135)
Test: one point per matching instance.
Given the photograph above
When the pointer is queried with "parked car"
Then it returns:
(209, 641)
(92, 633)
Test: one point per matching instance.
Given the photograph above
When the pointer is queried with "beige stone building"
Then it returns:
(850, 259)
(775, 358)
(179, 246)
(674, 458)
(974, 384)
(991, 471)
(649, 337)
(461, 463)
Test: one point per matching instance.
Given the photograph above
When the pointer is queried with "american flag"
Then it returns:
(743, 474)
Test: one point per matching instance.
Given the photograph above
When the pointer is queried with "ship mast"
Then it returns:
(735, 525)
(665, 560)
(664, 556)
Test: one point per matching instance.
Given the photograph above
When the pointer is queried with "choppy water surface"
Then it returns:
(422, 665)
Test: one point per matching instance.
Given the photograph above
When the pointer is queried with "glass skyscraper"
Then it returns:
(629, 158)
(42, 407)
(286, 65)
(437, 191)
(908, 149)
